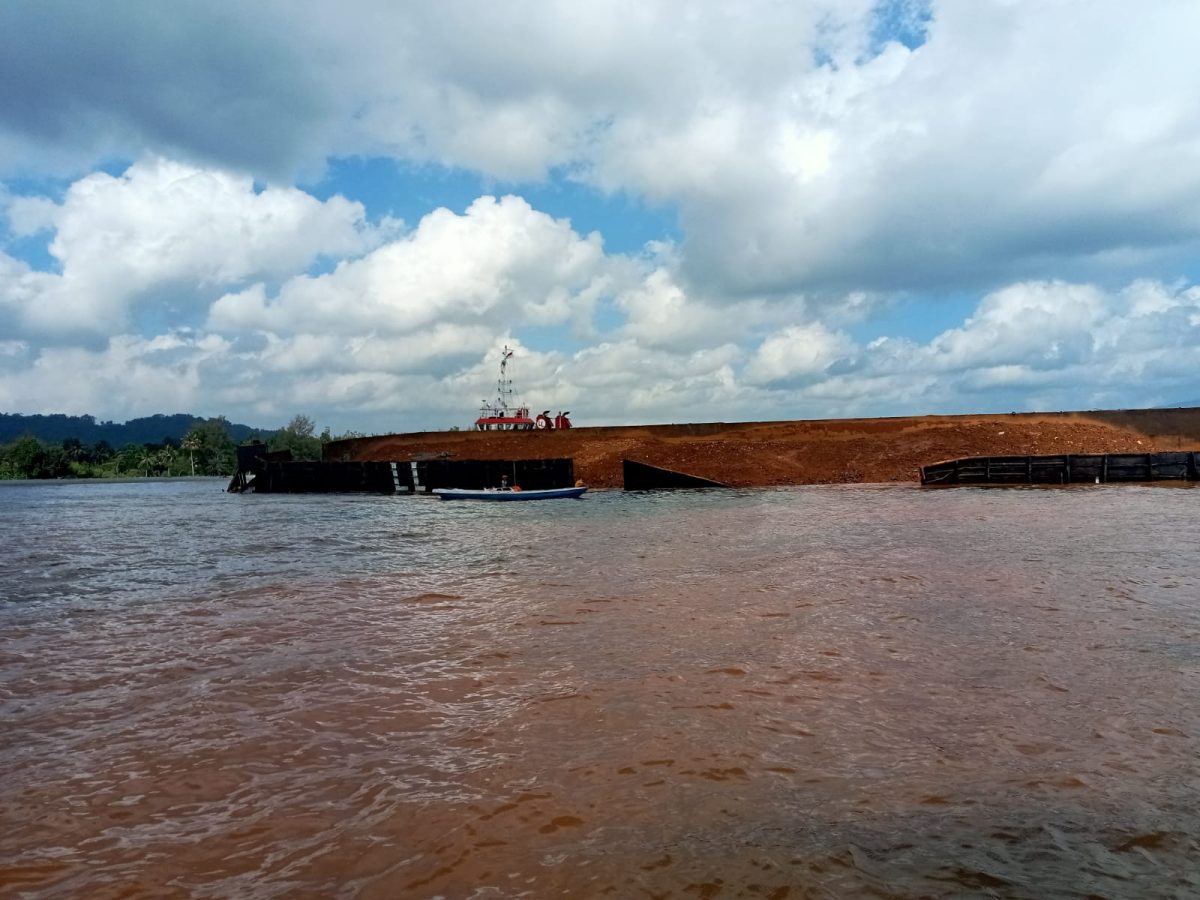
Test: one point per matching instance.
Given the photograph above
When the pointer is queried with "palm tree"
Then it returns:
(191, 444)
(166, 456)
(148, 459)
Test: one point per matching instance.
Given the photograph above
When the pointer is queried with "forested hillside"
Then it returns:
(146, 430)
(160, 448)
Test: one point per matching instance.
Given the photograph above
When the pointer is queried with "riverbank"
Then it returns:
(824, 451)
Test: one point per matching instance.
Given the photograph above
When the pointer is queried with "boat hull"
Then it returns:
(507, 496)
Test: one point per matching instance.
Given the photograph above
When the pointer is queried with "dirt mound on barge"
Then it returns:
(826, 451)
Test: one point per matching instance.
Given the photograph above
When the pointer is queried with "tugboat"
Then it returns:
(503, 415)
(506, 415)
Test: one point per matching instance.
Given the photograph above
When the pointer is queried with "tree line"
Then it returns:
(57, 427)
(206, 449)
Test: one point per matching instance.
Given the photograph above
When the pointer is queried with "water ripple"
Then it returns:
(811, 692)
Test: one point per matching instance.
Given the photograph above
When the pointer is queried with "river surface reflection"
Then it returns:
(817, 692)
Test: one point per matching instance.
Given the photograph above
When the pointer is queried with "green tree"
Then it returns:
(214, 452)
(301, 425)
(191, 443)
(165, 458)
(129, 458)
(297, 436)
(30, 458)
(8, 461)
(326, 436)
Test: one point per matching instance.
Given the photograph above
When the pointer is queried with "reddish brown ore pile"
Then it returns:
(830, 451)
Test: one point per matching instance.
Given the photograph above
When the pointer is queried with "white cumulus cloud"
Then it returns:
(500, 263)
(172, 228)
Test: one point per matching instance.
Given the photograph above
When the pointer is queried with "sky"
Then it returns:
(671, 211)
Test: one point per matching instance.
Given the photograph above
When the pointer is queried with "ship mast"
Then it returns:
(504, 385)
(506, 414)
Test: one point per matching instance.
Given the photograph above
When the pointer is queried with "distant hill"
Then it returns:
(146, 430)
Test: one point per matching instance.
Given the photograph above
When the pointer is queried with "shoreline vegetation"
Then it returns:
(116, 479)
(208, 448)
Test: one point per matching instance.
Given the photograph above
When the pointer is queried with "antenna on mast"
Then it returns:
(504, 386)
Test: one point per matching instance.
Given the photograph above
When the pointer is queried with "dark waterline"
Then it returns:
(834, 691)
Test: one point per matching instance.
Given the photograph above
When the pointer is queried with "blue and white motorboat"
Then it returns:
(507, 494)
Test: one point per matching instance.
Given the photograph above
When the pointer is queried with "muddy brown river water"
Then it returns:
(818, 692)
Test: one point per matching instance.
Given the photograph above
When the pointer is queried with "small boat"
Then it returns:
(505, 494)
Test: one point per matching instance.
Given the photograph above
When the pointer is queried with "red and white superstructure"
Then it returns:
(507, 414)
(504, 414)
